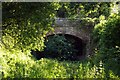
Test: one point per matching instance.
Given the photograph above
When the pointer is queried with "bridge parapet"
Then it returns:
(65, 22)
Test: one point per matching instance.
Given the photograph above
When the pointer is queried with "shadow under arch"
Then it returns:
(76, 41)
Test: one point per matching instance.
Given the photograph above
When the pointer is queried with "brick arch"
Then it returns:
(72, 27)
(74, 31)
(71, 31)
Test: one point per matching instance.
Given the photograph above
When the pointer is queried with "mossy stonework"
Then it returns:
(74, 28)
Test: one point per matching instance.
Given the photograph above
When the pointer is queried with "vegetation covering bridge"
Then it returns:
(24, 26)
(73, 27)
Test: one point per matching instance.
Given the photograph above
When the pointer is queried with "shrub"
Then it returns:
(108, 44)
(59, 47)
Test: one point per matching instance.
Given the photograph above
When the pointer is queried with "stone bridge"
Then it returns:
(72, 27)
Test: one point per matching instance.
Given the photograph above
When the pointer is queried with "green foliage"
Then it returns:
(24, 66)
(25, 25)
(107, 39)
(21, 19)
(35, 19)
(88, 13)
(91, 10)
(62, 49)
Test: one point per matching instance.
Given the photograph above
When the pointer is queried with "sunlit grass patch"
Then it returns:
(22, 65)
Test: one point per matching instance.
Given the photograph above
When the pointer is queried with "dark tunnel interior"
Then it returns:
(78, 45)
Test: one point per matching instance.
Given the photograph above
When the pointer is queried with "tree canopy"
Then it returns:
(21, 19)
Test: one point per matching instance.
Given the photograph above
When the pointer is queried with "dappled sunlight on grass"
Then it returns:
(24, 65)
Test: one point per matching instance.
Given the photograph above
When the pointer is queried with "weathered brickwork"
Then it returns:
(65, 26)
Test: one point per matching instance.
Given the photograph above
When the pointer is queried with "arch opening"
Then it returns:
(72, 48)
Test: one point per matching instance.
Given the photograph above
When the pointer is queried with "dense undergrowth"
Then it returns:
(23, 65)
(107, 39)
(16, 60)
(104, 64)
